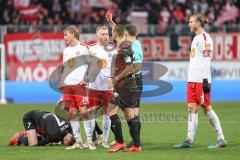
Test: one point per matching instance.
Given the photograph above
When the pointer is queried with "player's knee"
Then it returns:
(115, 120)
(192, 109)
(129, 116)
(85, 115)
(72, 113)
(206, 109)
(112, 110)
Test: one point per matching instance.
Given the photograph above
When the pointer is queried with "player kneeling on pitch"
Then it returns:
(42, 128)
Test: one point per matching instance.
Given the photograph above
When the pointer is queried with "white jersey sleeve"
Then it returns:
(200, 58)
(75, 63)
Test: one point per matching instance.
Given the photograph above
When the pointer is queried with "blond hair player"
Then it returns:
(199, 83)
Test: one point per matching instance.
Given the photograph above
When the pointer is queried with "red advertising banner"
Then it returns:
(32, 71)
(32, 47)
(33, 57)
(226, 47)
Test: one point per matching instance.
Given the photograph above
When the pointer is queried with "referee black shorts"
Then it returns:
(129, 93)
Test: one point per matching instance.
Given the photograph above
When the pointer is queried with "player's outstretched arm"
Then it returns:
(110, 20)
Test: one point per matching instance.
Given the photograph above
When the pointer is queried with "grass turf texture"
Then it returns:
(164, 124)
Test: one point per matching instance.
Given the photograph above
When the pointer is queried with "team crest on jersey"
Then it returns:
(101, 63)
(71, 62)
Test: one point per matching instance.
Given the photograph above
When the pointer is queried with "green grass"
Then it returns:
(164, 124)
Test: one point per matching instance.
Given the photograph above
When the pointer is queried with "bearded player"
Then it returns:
(199, 83)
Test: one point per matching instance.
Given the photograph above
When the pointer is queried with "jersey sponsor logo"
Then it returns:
(207, 46)
(101, 63)
(207, 50)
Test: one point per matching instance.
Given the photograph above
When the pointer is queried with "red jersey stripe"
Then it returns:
(204, 36)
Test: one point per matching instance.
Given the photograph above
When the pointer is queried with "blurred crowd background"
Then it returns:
(158, 12)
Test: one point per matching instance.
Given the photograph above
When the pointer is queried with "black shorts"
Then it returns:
(128, 94)
(28, 120)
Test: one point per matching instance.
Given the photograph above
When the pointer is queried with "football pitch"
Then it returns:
(163, 124)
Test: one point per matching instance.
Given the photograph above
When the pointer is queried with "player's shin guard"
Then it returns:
(106, 127)
(76, 130)
(116, 128)
(192, 126)
(134, 129)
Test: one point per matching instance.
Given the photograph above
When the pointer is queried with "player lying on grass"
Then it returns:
(42, 128)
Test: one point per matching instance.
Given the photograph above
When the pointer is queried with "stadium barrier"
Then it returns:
(40, 92)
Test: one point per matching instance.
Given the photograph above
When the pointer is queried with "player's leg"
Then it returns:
(192, 121)
(192, 116)
(192, 126)
(19, 139)
(134, 124)
(212, 116)
(70, 106)
(94, 97)
(88, 117)
(215, 122)
(115, 126)
(132, 115)
(73, 118)
(106, 125)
